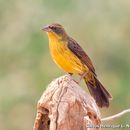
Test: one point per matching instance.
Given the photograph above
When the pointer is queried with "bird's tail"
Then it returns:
(100, 94)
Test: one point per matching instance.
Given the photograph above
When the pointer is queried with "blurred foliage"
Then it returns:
(26, 67)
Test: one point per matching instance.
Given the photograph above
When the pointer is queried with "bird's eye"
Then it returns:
(53, 28)
(56, 29)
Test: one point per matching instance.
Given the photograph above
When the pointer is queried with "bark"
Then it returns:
(66, 106)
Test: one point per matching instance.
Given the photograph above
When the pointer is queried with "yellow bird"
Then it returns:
(70, 57)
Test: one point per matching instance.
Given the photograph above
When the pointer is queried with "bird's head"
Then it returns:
(55, 31)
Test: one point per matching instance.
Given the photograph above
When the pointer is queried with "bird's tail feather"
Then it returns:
(98, 91)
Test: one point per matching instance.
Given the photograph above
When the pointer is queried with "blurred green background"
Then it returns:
(101, 27)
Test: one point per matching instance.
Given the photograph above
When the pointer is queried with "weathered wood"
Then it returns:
(66, 106)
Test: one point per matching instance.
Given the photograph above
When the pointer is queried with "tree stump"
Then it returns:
(66, 106)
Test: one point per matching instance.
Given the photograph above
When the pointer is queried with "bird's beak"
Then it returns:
(46, 29)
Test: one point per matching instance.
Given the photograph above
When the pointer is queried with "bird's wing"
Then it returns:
(79, 52)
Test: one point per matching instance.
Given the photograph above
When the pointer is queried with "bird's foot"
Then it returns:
(76, 81)
(83, 75)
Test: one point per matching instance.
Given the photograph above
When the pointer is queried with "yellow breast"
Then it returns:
(64, 58)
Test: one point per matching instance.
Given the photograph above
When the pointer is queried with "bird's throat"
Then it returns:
(53, 37)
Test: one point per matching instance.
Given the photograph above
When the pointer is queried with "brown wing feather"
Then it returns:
(79, 52)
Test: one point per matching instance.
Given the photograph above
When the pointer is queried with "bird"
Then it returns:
(71, 58)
